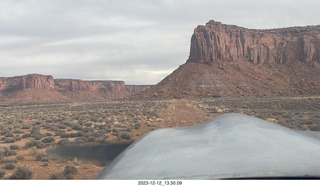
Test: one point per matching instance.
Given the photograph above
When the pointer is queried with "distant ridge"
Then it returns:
(37, 88)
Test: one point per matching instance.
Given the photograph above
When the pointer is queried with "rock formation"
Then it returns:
(24, 82)
(217, 41)
(227, 60)
(44, 88)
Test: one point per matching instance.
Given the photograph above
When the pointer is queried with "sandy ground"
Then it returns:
(178, 113)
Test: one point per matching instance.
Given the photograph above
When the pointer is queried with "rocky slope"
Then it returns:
(227, 60)
(44, 88)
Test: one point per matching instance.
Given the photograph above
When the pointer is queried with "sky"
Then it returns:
(137, 41)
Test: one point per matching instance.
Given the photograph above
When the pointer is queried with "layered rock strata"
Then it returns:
(44, 88)
(227, 60)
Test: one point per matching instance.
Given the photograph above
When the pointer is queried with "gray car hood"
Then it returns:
(228, 146)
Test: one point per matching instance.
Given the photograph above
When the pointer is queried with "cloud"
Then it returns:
(138, 41)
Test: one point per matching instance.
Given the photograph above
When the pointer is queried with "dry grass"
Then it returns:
(27, 131)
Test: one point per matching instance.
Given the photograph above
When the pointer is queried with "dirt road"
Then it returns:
(181, 113)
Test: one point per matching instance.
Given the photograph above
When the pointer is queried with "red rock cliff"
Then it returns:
(227, 60)
(43, 88)
(216, 41)
(28, 81)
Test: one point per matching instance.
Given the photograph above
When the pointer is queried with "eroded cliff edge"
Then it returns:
(217, 41)
(228, 60)
(44, 88)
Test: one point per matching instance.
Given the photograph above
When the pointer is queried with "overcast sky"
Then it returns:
(137, 41)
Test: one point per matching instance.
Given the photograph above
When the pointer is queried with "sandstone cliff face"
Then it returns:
(42, 88)
(73, 85)
(216, 41)
(29, 81)
(227, 60)
(133, 89)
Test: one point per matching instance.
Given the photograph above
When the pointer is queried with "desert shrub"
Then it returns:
(67, 123)
(9, 134)
(73, 135)
(2, 173)
(70, 169)
(38, 136)
(314, 127)
(35, 130)
(9, 160)
(9, 140)
(213, 110)
(79, 134)
(56, 120)
(63, 142)
(14, 147)
(32, 143)
(101, 140)
(89, 138)
(33, 151)
(41, 157)
(137, 126)
(64, 135)
(286, 116)
(9, 152)
(49, 121)
(94, 119)
(26, 135)
(68, 173)
(46, 126)
(48, 134)
(5, 131)
(20, 157)
(17, 138)
(37, 123)
(10, 166)
(40, 145)
(87, 129)
(309, 122)
(22, 173)
(76, 127)
(57, 176)
(79, 141)
(17, 131)
(48, 140)
(24, 126)
(69, 176)
(125, 136)
(88, 124)
(59, 132)
(61, 126)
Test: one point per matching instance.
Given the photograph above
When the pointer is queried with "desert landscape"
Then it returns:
(29, 130)
(72, 129)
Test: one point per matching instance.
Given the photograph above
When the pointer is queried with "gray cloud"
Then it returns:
(138, 41)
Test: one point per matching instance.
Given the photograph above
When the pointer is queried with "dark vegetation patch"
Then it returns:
(68, 173)
(94, 152)
(299, 113)
(22, 173)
